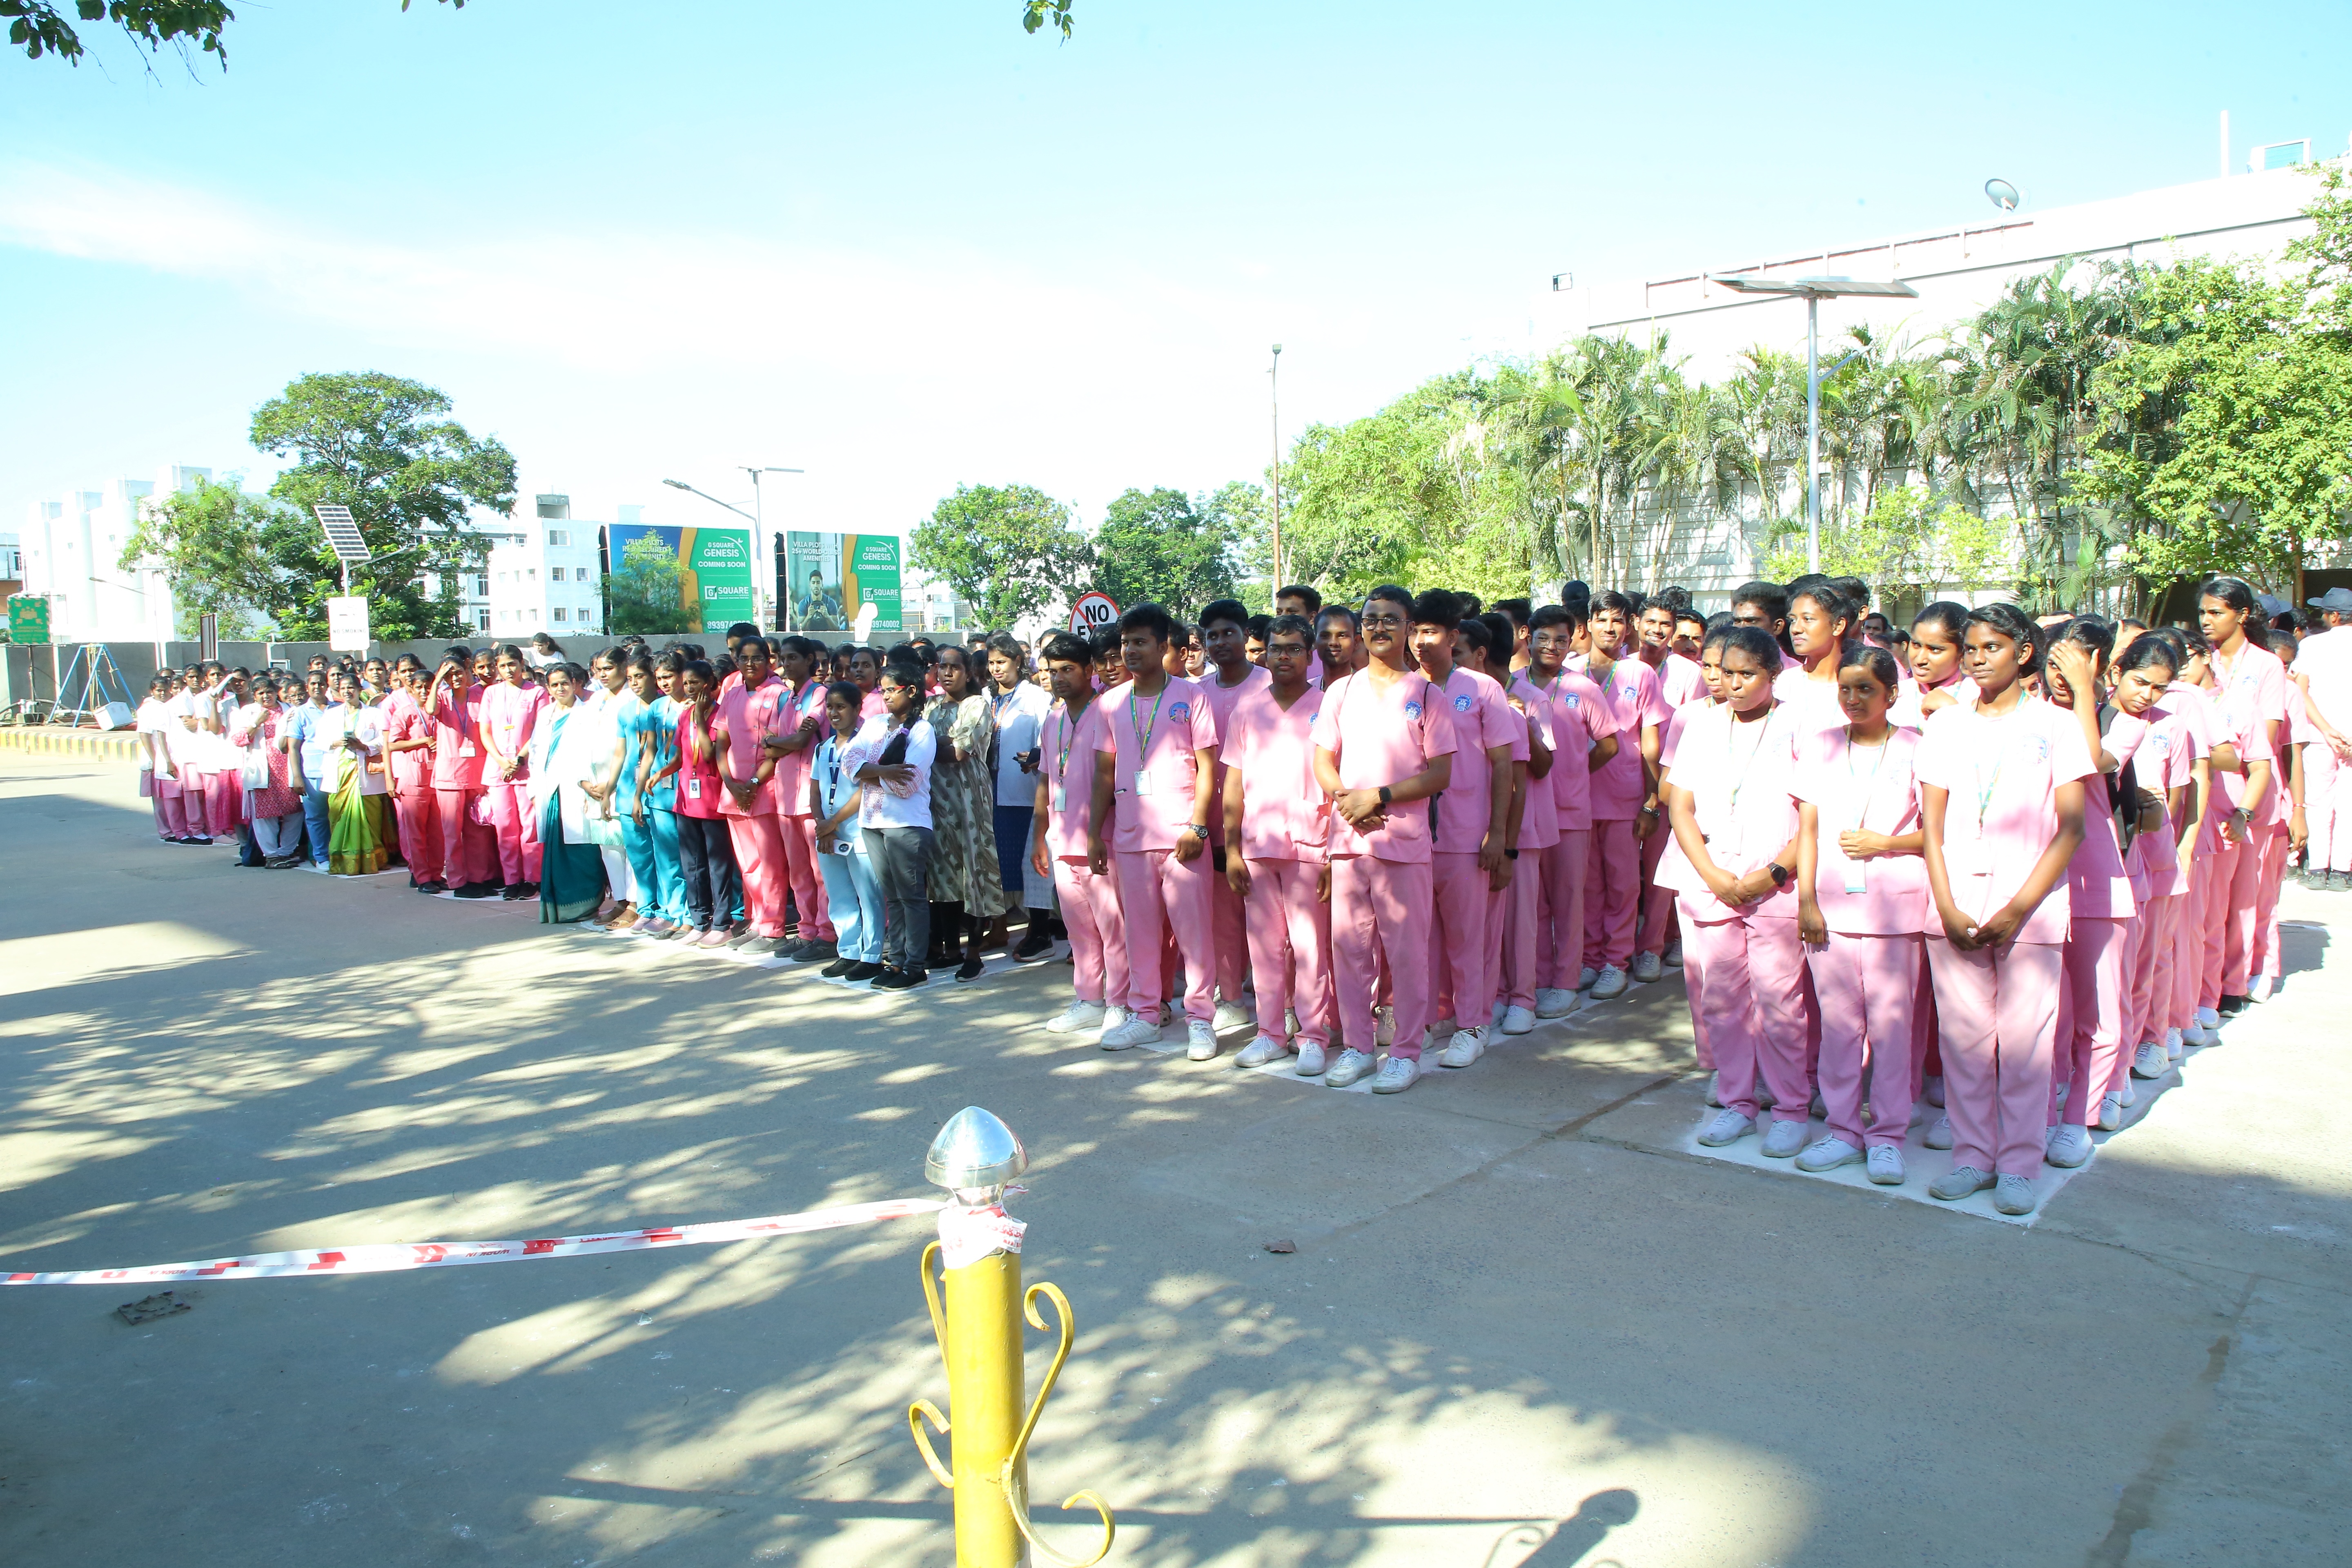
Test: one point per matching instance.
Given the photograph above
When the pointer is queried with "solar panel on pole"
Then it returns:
(342, 537)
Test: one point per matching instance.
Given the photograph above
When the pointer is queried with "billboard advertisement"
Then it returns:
(829, 577)
(705, 574)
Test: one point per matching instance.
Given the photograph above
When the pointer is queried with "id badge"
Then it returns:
(1142, 782)
(1061, 798)
(465, 748)
(1853, 878)
(693, 788)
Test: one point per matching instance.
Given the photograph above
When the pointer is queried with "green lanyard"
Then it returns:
(1143, 730)
(1069, 739)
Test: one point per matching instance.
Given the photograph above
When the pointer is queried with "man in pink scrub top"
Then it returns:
(1069, 742)
(511, 711)
(1383, 747)
(1224, 631)
(1587, 740)
(1157, 751)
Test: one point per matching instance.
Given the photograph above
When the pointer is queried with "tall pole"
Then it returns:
(2225, 143)
(1275, 395)
(1813, 433)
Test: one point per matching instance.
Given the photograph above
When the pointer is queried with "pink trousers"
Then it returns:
(2328, 807)
(2189, 944)
(760, 861)
(1559, 923)
(1098, 937)
(1658, 911)
(2086, 1059)
(224, 805)
(2217, 875)
(2152, 984)
(1381, 906)
(1161, 896)
(1613, 874)
(420, 834)
(470, 851)
(1996, 1012)
(1458, 987)
(171, 808)
(508, 806)
(2263, 959)
(1749, 994)
(805, 874)
(1867, 988)
(1289, 948)
(2237, 883)
(1231, 934)
(1520, 919)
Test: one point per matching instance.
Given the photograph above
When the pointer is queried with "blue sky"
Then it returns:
(907, 245)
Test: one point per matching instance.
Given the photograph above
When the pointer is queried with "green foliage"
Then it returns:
(209, 540)
(374, 443)
(1175, 551)
(1909, 541)
(1007, 551)
(1038, 14)
(647, 594)
(40, 27)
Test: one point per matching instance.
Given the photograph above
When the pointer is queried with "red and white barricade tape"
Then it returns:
(386, 1258)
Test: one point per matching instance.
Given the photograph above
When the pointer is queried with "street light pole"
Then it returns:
(1814, 290)
(1274, 377)
(759, 506)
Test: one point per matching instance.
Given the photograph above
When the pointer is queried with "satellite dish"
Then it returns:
(2003, 194)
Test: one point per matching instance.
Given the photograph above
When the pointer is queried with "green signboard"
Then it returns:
(701, 575)
(829, 577)
(29, 618)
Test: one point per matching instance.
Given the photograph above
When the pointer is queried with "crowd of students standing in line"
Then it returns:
(2000, 865)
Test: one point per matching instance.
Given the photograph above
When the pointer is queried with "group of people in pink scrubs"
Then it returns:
(2009, 869)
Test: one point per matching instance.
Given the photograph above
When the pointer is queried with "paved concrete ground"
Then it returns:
(1521, 1326)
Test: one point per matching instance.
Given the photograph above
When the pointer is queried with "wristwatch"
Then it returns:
(1387, 795)
(1779, 874)
(1510, 854)
(1199, 830)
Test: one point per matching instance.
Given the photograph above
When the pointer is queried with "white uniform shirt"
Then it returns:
(1019, 714)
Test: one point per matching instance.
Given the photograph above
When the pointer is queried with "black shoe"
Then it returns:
(915, 977)
(515, 892)
(837, 968)
(815, 951)
(1033, 946)
(2231, 1006)
(432, 887)
(971, 969)
(859, 973)
(889, 979)
(480, 890)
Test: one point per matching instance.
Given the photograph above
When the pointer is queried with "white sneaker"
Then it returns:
(2014, 1195)
(1384, 1026)
(1933, 1091)
(1396, 1074)
(1133, 1033)
(1827, 1154)
(2111, 1111)
(1310, 1059)
(1078, 1017)
(1673, 955)
(1467, 1047)
(2174, 1047)
(1554, 1003)
(2260, 990)
(2149, 1061)
(1727, 1126)
(1233, 1016)
(1200, 1041)
(1648, 966)
(1352, 1064)
(1715, 1088)
(1939, 1134)
(1609, 984)
(1517, 1020)
(1885, 1164)
(1113, 1016)
(2066, 1146)
(1502, 1006)
(1785, 1138)
(1258, 1052)
(2196, 1035)
(2207, 1019)
(2129, 1092)
(1586, 977)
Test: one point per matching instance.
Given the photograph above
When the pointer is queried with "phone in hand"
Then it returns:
(1029, 759)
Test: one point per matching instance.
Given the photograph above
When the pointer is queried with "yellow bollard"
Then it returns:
(978, 1331)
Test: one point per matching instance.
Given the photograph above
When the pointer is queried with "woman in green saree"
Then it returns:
(354, 736)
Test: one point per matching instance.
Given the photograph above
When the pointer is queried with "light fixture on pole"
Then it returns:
(1814, 290)
(706, 495)
(1273, 393)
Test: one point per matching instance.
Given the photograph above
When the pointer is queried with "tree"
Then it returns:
(1907, 541)
(1167, 548)
(209, 540)
(647, 596)
(372, 443)
(1008, 551)
(40, 27)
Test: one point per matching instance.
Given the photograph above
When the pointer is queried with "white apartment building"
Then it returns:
(71, 552)
(544, 575)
